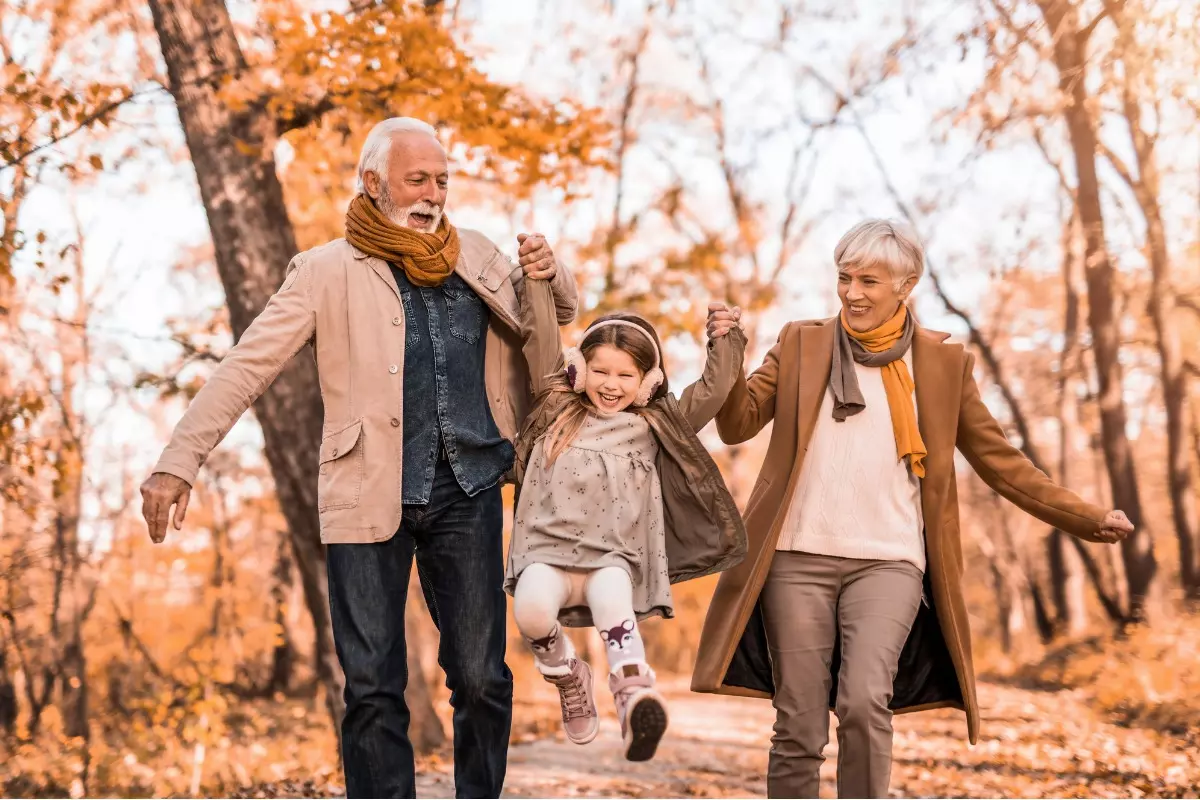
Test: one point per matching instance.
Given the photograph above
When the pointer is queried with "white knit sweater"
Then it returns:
(855, 498)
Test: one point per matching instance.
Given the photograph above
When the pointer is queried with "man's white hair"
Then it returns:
(378, 146)
(881, 241)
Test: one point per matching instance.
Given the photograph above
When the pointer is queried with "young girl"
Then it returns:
(618, 499)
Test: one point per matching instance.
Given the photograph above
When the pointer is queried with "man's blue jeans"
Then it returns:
(458, 543)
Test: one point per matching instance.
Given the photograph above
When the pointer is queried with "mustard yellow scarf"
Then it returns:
(426, 258)
(884, 347)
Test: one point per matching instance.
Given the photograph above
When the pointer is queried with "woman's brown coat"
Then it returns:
(935, 667)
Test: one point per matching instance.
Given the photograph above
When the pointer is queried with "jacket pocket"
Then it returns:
(466, 319)
(495, 271)
(341, 473)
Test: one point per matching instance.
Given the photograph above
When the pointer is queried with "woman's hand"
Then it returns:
(1115, 527)
(722, 319)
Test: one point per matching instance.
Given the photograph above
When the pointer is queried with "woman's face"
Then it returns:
(870, 297)
(613, 379)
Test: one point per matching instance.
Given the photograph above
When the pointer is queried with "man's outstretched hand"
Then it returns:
(1115, 527)
(161, 491)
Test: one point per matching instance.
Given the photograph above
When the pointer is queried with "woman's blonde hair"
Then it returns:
(570, 421)
(884, 242)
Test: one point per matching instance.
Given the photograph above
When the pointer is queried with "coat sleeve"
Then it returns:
(701, 401)
(1007, 470)
(285, 325)
(566, 294)
(751, 402)
(542, 337)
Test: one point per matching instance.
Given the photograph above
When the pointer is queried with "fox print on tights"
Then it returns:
(624, 643)
(546, 643)
(620, 637)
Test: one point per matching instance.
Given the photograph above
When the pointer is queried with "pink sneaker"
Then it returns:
(579, 716)
(642, 711)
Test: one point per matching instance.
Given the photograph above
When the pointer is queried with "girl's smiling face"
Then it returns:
(613, 379)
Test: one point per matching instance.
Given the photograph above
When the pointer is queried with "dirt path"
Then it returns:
(1036, 744)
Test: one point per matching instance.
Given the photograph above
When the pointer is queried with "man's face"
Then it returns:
(870, 297)
(413, 193)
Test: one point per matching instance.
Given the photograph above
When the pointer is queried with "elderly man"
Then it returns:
(850, 596)
(419, 352)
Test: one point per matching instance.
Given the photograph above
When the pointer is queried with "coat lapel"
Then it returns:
(380, 268)
(816, 360)
(932, 375)
(937, 419)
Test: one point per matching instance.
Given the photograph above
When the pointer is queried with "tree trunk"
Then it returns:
(1145, 187)
(253, 240)
(1003, 607)
(1062, 17)
(67, 627)
(70, 607)
(283, 655)
(8, 695)
(1194, 409)
(1066, 577)
(74, 689)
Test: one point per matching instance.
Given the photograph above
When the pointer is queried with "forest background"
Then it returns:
(160, 162)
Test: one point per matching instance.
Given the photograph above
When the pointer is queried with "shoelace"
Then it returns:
(574, 698)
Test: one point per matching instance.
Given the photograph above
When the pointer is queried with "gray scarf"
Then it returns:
(847, 397)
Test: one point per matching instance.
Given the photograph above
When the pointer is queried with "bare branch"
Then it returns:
(131, 637)
(1111, 607)
(86, 122)
(1085, 33)
(1063, 183)
(1188, 302)
(1118, 164)
(975, 336)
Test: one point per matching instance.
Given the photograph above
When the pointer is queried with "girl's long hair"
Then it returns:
(570, 420)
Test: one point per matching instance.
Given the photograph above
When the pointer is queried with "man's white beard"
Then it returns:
(399, 216)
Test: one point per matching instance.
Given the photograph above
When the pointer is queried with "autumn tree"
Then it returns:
(1141, 95)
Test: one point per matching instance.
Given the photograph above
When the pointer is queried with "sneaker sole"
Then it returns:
(647, 724)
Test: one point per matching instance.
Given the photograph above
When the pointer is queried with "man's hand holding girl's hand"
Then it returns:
(722, 319)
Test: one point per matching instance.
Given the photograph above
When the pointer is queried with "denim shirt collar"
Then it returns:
(499, 294)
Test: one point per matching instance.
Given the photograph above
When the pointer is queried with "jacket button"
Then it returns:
(395, 320)
(395, 422)
(334, 451)
(393, 369)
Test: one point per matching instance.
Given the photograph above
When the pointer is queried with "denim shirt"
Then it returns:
(446, 410)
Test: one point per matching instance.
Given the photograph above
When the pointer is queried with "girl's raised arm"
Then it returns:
(701, 401)
(539, 328)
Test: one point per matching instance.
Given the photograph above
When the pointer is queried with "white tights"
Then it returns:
(542, 591)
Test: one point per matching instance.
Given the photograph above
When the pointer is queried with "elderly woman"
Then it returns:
(851, 597)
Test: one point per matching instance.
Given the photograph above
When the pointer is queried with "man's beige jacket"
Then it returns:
(346, 304)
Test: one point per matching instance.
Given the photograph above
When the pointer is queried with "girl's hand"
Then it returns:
(722, 319)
